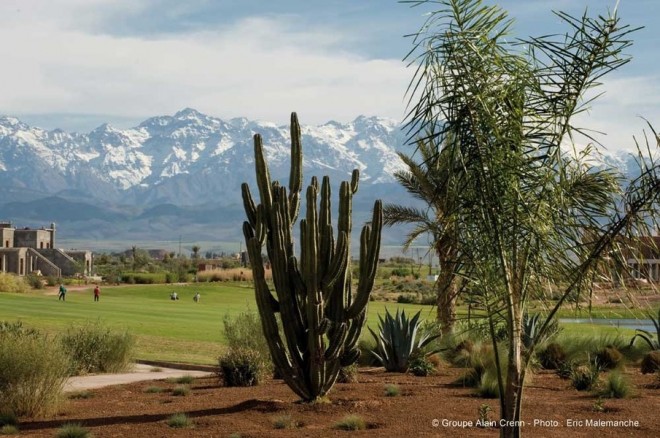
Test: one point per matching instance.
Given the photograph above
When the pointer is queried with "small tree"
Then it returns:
(530, 214)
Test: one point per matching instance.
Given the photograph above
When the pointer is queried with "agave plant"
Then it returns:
(648, 336)
(397, 341)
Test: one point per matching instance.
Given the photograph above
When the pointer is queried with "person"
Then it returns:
(174, 296)
(97, 293)
(62, 295)
(196, 297)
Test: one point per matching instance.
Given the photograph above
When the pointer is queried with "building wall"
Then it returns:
(7, 240)
(37, 239)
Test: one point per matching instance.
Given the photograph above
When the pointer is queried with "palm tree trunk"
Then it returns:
(446, 295)
(510, 417)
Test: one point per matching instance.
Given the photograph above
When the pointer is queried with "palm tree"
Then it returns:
(427, 181)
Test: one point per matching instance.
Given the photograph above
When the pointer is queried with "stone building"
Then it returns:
(25, 251)
(645, 263)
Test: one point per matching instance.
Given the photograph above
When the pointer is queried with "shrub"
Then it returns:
(584, 377)
(651, 362)
(80, 395)
(351, 422)
(13, 283)
(616, 386)
(187, 379)
(33, 370)
(179, 421)
(367, 345)
(422, 366)
(285, 422)
(35, 281)
(397, 340)
(552, 356)
(242, 367)
(9, 429)
(181, 391)
(154, 390)
(348, 374)
(609, 358)
(488, 386)
(17, 329)
(72, 430)
(244, 331)
(392, 390)
(406, 299)
(95, 348)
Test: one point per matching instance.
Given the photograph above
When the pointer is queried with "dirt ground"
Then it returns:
(426, 406)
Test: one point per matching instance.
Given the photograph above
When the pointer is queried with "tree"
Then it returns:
(427, 180)
(529, 214)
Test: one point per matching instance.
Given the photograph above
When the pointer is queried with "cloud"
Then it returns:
(259, 67)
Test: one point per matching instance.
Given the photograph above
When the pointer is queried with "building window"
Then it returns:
(6, 243)
(41, 245)
(21, 267)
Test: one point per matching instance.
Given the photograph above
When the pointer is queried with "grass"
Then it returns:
(185, 331)
(285, 422)
(616, 386)
(351, 422)
(181, 391)
(392, 390)
(184, 380)
(72, 430)
(80, 395)
(154, 389)
(179, 421)
(9, 429)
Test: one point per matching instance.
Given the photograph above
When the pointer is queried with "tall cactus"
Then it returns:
(321, 317)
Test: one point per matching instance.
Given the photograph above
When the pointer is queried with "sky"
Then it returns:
(75, 64)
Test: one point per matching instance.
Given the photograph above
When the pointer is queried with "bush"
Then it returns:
(13, 283)
(609, 358)
(351, 422)
(285, 422)
(33, 370)
(154, 389)
(35, 281)
(95, 348)
(488, 386)
(406, 299)
(72, 430)
(181, 391)
(242, 367)
(179, 421)
(244, 331)
(9, 429)
(584, 377)
(366, 346)
(651, 362)
(348, 374)
(17, 329)
(422, 366)
(392, 390)
(616, 386)
(8, 419)
(552, 356)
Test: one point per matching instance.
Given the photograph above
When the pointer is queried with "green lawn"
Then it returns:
(181, 331)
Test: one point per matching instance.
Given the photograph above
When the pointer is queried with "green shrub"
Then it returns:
(488, 386)
(285, 422)
(422, 366)
(392, 390)
(651, 362)
(242, 367)
(33, 370)
(609, 358)
(13, 283)
(179, 421)
(9, 429)
(51, 281)
(154, 389)
(584, 377)
(35, 281)
(406, 299)
(187, 379)
(181, 391)
(366, 345)
(351, 422)
(348, 374)
(8, 419)
(95, 348)
(244, 331)
(17, 329)
(552, 356)
(616, 386)
(72, 430)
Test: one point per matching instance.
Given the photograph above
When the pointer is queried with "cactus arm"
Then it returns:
(355, 180)
(248, 204)
(295, 177)
(263, 174)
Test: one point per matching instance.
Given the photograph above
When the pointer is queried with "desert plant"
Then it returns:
(648, 337)
(154, 389)
(181, 391)
(351, 422)
(8, 419)
(242, 367)
(487, 386)
(321, 316)
(95, 348)
(616, 386)
(599, 405)
(397, 340)
(584, 377)
(348, 374)
(16, 328)
(244, 331)
(9, 429)
(484, 414)
(73, 430)
(32, 373)
(13, 283)
(80, 395)
(422, 366)
(651, 362)
(187, 379)
(285, 421)
(392, 390)
(552, 356)
(179, 421)
(609, 358)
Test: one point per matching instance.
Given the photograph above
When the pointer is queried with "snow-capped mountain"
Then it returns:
(186, 159)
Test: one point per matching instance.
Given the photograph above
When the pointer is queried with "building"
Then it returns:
(645, 264)
(26, 251)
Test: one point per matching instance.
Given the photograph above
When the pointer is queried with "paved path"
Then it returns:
(139, 373)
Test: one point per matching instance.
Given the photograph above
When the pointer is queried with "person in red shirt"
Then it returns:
(97, 293)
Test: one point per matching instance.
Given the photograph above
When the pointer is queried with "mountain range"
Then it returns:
(180, 175)
(174, 178)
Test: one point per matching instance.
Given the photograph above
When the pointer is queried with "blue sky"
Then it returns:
(74, 64)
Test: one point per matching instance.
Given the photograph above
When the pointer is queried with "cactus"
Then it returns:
(321, 316)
